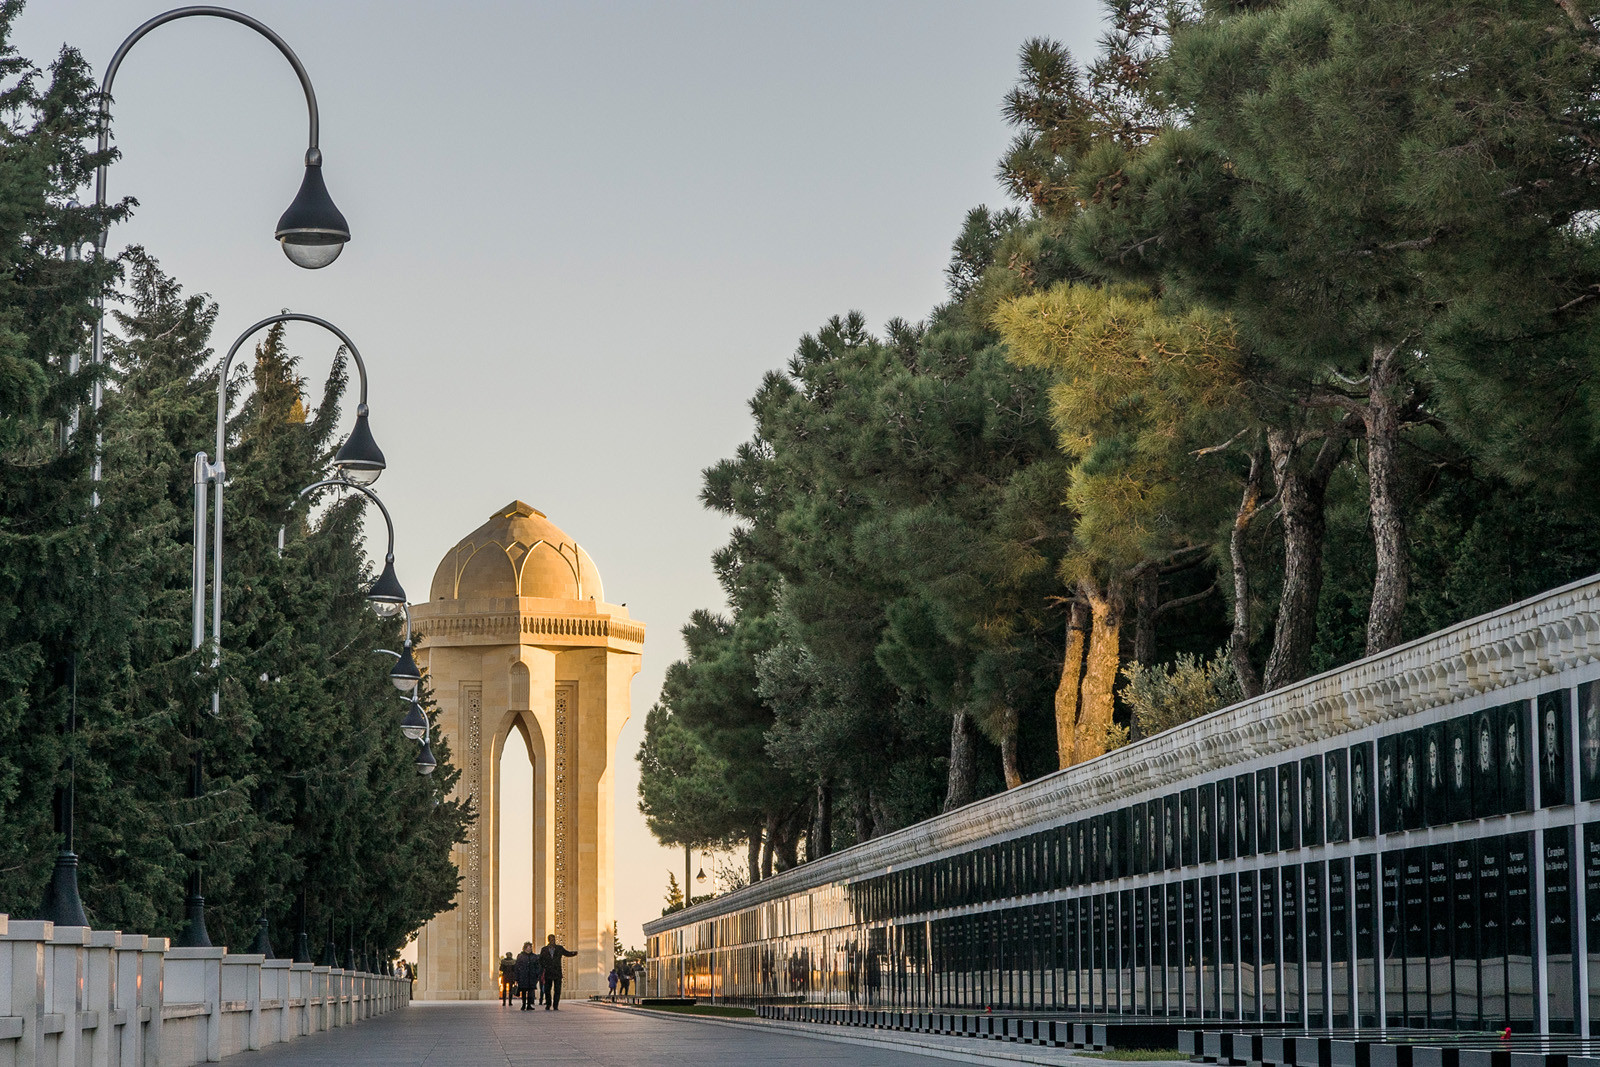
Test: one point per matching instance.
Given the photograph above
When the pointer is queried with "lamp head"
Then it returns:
(426, 764)
(312, 231)
(415, 725)
(359, 460)
(404, 674)
(387, 597)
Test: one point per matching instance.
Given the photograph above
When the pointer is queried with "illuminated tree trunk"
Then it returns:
(1071, 679)
(1096, 700)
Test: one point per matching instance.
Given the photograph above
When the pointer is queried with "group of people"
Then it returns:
(533, 974)
(621, 975)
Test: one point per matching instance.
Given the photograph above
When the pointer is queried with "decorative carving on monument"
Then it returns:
(563, 784)
(472, 964)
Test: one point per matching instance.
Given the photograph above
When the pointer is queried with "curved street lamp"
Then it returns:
(359, 453)
(312, 233)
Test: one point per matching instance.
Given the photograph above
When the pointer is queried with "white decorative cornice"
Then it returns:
(1551, 633)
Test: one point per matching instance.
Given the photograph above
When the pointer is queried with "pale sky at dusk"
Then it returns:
(581, 234)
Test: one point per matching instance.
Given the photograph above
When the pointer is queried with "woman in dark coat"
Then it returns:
(527, 973)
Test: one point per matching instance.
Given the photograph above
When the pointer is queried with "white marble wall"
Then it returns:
(75, 997)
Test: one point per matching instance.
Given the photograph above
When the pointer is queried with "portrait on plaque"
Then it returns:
(1244, 836)
(1169, 832)
(1363, 795)
(1435, 798)
(1389, 783)
(1515, 780)
(1589, 741)
(1205, 809)
(1187, 839)
(1311, 801)
(1485, 765)
(1288, 807)
(1554, 729)
(1224, 820)
(1136, 831)
(1411, 779)
(1266, 813)
(1458, 767)
(1335, 795)
(1152, 835)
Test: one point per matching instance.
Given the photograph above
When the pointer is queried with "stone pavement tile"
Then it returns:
(481, 1035)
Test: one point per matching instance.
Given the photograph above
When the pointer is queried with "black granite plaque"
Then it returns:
(1271, 1005)
(1520, 987)
(1141, 952)
(1485, 764)
(1121, 835)
(1187, 841)
(1411, 759)
(1464, 939)
(1169, 832)
(1158, 952)
(1097, 952)
(1560, 941)
(1191, 948)
(1440, 1004)
(1249, 962)
(1070, 963)
(1414, 913)
(1138, 846)
(1394, 939)
(1363, 780)
(1316, 992)
(1069, 853)
(1209, 1007)
(1227, 948)
(1591, 894)
(1340, 972)
(1458, 768)
(1311, 801)
(1365, 907)
(1516, 781)
(1435, 797)
(1125, 957)
(1174, 977)
(1288, 807)
(1225, 828)
(1491, 933)
(1266, 810)
(1244, 810)
(1555, 727)
(1291, 941)
(1152, 836)
(1336, 795)
(1389, 759)
(1108, 846)
(1589, 744)
(1205, 809)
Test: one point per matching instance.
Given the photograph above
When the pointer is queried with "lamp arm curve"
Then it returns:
(370, 495)
(227, 365)
(313, 152)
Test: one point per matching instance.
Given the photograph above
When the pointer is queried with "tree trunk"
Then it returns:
(1071, 678)
(766, 845)
(753, 854)
(863, 815)
(1147, 603)
(1302, 501)
(821, 842)
(1008, 747)
(1096, 702)
(787, 851)
(1239, 637)
(1382, 417)
(959, 788)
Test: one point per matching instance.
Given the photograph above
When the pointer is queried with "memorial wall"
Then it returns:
(1412, 840)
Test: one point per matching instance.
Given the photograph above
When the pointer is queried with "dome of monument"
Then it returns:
(517, 553)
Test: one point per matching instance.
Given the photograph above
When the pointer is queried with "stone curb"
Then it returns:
(998, 1057)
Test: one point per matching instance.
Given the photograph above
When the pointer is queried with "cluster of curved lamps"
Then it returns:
(312, 233)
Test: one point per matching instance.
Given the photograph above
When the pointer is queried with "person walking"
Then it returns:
(550, 958)
(611, 983)
(508, 978)
(626, 977)
(526, 973)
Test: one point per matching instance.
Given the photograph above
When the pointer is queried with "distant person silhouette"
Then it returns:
(508, 978)
(527, 974)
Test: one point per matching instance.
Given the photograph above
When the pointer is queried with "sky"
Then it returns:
(581, 233)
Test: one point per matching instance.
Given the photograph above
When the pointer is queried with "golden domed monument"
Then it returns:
(517, 635)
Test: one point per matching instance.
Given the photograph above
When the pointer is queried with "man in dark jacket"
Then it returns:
(550, 959)
(508, 978)
(527, 974)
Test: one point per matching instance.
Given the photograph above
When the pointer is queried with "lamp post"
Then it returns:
(312, 233)
(359, 457)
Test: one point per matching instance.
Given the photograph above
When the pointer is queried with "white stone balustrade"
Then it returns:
(75, 997)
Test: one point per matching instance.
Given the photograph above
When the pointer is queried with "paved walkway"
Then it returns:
(481, 1035)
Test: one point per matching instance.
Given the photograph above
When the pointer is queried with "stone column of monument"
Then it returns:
(517, 635)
